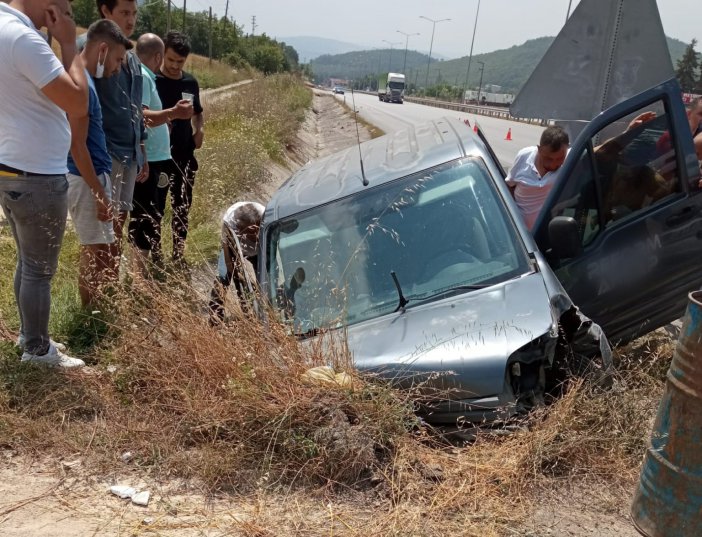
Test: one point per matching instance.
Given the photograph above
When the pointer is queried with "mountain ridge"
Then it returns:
(508, 68)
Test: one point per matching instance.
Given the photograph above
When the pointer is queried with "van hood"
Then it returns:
(463, 341)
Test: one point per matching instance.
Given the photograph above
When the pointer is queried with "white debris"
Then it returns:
(70, 464)
(123, 491)
(127, 456)
(148, 520)
(141, 498)
(111, 368)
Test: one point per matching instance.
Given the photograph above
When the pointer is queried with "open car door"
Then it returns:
(622, 228)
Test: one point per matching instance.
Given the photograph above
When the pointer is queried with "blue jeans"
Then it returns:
(36, 208)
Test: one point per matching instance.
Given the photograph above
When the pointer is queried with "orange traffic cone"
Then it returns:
(475, 127)
(509, 135)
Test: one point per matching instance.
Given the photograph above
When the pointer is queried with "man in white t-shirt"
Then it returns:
(241, 224)
(37, 91)
(535, 171)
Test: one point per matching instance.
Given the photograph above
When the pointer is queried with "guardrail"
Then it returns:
(490, 111)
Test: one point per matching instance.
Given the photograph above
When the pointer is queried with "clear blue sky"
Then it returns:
(501, 24)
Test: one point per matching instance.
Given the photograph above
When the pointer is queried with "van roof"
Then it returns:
(389, 157)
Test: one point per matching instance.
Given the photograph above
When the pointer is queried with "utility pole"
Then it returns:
(210, 54)
(470, 55)
(168, 16)
(390, 59)
(431, 45)
(407, 36)
(480, 86)
(226, 9)
(253, 25)
(184, 12)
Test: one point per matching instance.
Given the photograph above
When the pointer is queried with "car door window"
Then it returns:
(627, 168)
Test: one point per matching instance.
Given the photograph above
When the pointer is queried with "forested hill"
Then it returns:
(508, 68)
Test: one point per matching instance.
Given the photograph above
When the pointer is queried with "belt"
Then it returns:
(8, 171)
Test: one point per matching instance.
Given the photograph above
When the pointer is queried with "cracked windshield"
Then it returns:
(441, 232)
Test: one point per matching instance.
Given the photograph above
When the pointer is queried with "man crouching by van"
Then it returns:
(240, 228)
(89, 163)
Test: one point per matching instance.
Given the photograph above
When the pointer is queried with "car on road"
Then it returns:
(419, 261)
(338, 89)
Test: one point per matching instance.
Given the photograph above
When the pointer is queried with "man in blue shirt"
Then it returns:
(89, 163)
(123, 122)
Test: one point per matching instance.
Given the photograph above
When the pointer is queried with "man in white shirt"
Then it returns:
(37, 91)
(535, 171)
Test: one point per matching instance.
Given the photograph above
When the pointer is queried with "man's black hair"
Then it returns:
(554, 138)
(106, 30)
(109, 4)
(178, 42)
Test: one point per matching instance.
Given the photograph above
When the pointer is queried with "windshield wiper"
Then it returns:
(403, 301)
(451, 290)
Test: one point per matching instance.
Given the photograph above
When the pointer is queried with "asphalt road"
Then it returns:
(393, 116)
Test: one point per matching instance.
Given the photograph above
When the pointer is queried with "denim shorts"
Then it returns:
(123, 177)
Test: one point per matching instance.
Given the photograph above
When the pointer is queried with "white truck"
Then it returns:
(391, 87)
(489, 98)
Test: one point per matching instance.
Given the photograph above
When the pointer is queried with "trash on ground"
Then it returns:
(123, 491)
(325, 375)
(141, 498)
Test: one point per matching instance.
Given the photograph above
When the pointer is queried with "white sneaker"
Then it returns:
(59, 346)
(53, 357)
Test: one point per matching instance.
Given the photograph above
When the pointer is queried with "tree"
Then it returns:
(687, 66)
(84, 12)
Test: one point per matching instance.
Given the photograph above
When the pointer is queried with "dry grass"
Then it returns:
(227, 406)
(244, 132)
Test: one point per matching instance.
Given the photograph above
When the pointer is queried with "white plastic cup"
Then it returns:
(188, 96)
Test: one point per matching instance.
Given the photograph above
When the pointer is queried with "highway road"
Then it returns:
(393, 116)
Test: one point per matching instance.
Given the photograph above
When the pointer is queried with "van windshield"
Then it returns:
(442, 232)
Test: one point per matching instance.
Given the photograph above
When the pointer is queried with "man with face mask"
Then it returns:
(535, 171)
(89, 163)
(125, 133)
(145, 218)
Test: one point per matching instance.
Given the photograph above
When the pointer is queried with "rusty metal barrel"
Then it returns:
(668, 502)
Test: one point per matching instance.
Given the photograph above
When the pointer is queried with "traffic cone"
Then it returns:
(475, 127)
(509, 135)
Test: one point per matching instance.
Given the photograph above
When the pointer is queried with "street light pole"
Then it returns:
(480, 86)
(431, 44)
(407, 36)
(470, 55)
(391, 45)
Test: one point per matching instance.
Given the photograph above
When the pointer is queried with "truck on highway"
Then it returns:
(488, 98)
(391, 87)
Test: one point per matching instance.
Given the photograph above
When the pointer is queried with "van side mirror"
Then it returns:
(564, 237)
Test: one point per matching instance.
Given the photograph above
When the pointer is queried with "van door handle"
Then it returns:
(683, 216)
